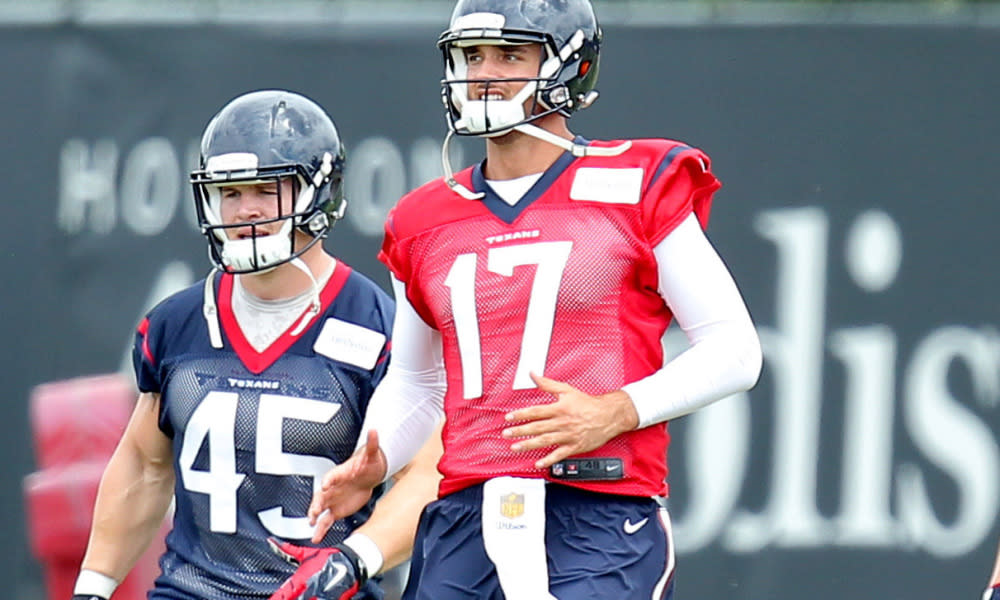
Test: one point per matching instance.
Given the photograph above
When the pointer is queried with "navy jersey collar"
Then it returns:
(507, 213)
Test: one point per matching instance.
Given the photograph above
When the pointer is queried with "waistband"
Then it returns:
(555, 494)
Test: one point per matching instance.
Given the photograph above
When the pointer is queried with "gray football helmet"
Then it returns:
(570, 36)
(265, 136)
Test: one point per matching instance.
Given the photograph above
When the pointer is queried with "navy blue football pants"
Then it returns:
(599, 546)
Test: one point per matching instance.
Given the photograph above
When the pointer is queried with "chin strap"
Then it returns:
(573, 148)
(210, 312)
(578, 150)
(315, 305)
(449, 176)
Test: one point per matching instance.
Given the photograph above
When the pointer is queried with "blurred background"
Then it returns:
(857, 144)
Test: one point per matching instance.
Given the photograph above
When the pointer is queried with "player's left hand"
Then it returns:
(322, 574)
(575, 423)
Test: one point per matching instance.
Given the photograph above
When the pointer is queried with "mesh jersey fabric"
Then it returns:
(564, 283)
(252, 432)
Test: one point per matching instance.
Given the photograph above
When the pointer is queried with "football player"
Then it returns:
(543, 280)
(253, 383)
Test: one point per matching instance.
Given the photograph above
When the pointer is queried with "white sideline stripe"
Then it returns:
(671, 558)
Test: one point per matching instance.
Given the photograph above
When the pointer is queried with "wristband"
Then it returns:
(92, 583)
(367, 551)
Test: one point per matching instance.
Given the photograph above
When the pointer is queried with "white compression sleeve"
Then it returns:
(725, 354)
(409, 401)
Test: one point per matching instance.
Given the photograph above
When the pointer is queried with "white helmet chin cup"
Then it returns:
(260, 253)
(491, 117)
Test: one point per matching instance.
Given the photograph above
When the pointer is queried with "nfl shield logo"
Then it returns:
(512, 505)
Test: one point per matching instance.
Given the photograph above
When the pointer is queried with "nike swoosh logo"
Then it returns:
(631, 527)
(339, 572)
(611, 467)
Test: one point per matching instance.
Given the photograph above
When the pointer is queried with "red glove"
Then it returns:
(323, 573)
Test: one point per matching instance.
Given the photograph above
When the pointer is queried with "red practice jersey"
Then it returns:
(564, 284)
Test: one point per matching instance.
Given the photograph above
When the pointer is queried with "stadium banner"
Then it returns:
(858, 215)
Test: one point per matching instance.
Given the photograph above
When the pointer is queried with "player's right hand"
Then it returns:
(347, 487)
(322, 574)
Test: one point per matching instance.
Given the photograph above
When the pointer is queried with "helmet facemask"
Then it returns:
(539, 96)
(260, 252)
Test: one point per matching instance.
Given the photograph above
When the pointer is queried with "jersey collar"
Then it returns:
(257, 362)
(508, 213)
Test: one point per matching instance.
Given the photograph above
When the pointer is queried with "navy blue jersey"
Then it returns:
(253, 432)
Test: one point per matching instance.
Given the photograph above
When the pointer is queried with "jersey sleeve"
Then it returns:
(147, 375)
(682, 183)
(392, 254)
(397, 254)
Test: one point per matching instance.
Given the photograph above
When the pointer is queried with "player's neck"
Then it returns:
(517, 154)
(287, 280)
